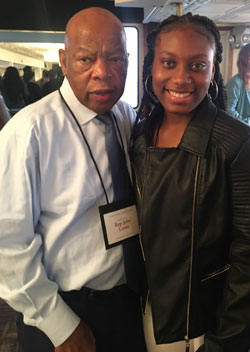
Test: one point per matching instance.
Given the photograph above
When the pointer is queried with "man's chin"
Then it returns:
(100, 109)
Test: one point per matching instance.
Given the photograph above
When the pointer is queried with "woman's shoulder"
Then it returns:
(138, 129)
(229, 133)
(230, 122)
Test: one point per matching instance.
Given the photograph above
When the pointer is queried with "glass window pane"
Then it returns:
(130, 94)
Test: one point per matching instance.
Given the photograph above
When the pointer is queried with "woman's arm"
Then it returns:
(233, 325)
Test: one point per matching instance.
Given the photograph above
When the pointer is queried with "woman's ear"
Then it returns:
(213, 72)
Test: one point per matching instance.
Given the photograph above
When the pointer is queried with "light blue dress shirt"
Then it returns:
(50, 230)
(238, 99)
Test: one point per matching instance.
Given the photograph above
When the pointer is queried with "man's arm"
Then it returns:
(81, 340)
(233, 95)
(23, 280)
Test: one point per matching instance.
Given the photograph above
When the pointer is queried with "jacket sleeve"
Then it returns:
(233, 94)
(233, 328)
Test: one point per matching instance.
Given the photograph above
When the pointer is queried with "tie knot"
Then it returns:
(106, 118)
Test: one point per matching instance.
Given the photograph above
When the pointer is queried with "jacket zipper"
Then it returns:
(140, 196)
(216, 273)
(140, 236)
(187, 340)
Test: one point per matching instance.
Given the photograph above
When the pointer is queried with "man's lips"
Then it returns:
(102, 96)
(101, 92)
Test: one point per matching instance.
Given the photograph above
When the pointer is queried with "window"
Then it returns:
(40, 44)
(131, 92)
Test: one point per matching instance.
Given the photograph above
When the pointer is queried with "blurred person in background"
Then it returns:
(44, 79)
(52, 84)
(35, 92)
(4, 112)
(13, 90)
(238, 88)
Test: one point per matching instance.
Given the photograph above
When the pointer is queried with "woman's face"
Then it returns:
(182, 70)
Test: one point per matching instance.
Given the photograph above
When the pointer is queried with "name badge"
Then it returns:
(119, 222)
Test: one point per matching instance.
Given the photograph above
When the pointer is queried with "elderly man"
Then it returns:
(55, 172)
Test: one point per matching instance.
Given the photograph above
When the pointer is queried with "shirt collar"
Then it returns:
(81, 112)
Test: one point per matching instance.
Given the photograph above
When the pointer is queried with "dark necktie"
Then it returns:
(117, 160)
(133, 262)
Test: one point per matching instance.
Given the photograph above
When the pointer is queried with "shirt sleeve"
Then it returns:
(24, 283)
(233, 94)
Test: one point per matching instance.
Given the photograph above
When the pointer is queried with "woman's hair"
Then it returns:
(13, 83)
(208, 28)
(242, 63)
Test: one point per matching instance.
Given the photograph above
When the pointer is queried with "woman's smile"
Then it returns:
(177, 94)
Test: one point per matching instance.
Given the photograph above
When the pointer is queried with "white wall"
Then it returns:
(225, 55)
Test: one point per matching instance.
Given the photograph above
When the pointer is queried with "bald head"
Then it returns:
(95, 58)
(94, 19)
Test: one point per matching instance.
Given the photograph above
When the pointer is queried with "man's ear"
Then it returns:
(62, 59)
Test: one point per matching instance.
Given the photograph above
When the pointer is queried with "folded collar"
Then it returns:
(198, 132)
(81, 112)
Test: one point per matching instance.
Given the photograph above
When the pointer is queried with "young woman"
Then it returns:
(192, 170)
(238, 88)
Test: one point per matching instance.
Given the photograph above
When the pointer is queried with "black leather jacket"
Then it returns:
(194, 210)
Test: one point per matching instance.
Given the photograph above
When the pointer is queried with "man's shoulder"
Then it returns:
(124, 111)
(45, 109)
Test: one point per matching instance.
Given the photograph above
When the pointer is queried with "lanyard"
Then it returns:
(87, 144)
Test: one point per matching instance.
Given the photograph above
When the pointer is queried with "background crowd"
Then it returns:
(19, 91)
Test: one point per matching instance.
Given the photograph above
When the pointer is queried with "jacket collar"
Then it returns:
(198, 132)
(199, 129)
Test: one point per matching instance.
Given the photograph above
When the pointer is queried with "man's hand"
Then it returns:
(81, 340)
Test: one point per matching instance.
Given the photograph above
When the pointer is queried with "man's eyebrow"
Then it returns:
(83, 49)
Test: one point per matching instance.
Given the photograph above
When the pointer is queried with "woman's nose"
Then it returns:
(181, 74)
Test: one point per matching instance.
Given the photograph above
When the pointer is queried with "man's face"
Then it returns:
(95, 63)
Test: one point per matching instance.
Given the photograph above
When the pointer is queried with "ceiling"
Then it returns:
(52, 15)
(225, 12)
(31, 16)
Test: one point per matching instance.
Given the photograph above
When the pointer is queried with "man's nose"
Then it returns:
(101, 69)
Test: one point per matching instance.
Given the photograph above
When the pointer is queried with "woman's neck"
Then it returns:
(171, 130)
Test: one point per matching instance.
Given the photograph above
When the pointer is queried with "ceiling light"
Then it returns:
(231, 39)
(245, 37)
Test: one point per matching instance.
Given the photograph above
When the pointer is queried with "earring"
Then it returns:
(213, 86)
(147, 89)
